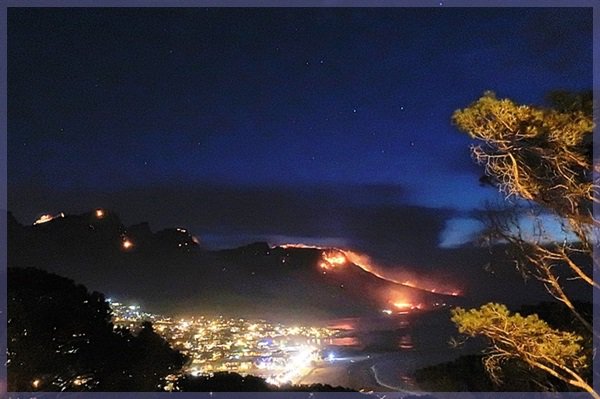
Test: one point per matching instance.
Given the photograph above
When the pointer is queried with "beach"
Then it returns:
(362, 375)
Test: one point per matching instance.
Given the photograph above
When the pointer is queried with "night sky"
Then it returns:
(326, 125)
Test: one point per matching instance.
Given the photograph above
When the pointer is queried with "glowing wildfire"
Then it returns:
(332, 258)
(48, 217)
(126, 244)
(406, 306)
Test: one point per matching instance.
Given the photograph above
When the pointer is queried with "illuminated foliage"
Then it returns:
(544, 157)
(534, 153)
(528, 339)
(541, 157)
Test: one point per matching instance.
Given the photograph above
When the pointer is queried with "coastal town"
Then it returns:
(277, 352)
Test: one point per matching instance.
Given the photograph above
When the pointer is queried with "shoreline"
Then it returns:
(361, 376)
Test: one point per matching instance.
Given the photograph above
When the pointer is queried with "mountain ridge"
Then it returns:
(171, 265)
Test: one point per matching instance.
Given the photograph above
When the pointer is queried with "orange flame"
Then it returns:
(48, 217)
(403, 305)
(127, 244)
(332, 257)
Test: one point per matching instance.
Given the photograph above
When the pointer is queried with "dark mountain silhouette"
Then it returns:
(167, 270)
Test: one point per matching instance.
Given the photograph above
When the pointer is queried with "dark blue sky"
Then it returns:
(323, 125)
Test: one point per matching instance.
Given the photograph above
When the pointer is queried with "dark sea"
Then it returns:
(382, 352)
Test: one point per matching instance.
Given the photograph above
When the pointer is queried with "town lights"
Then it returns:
(100, 213)
(78, 381)
(231, 344)
(36, 383)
